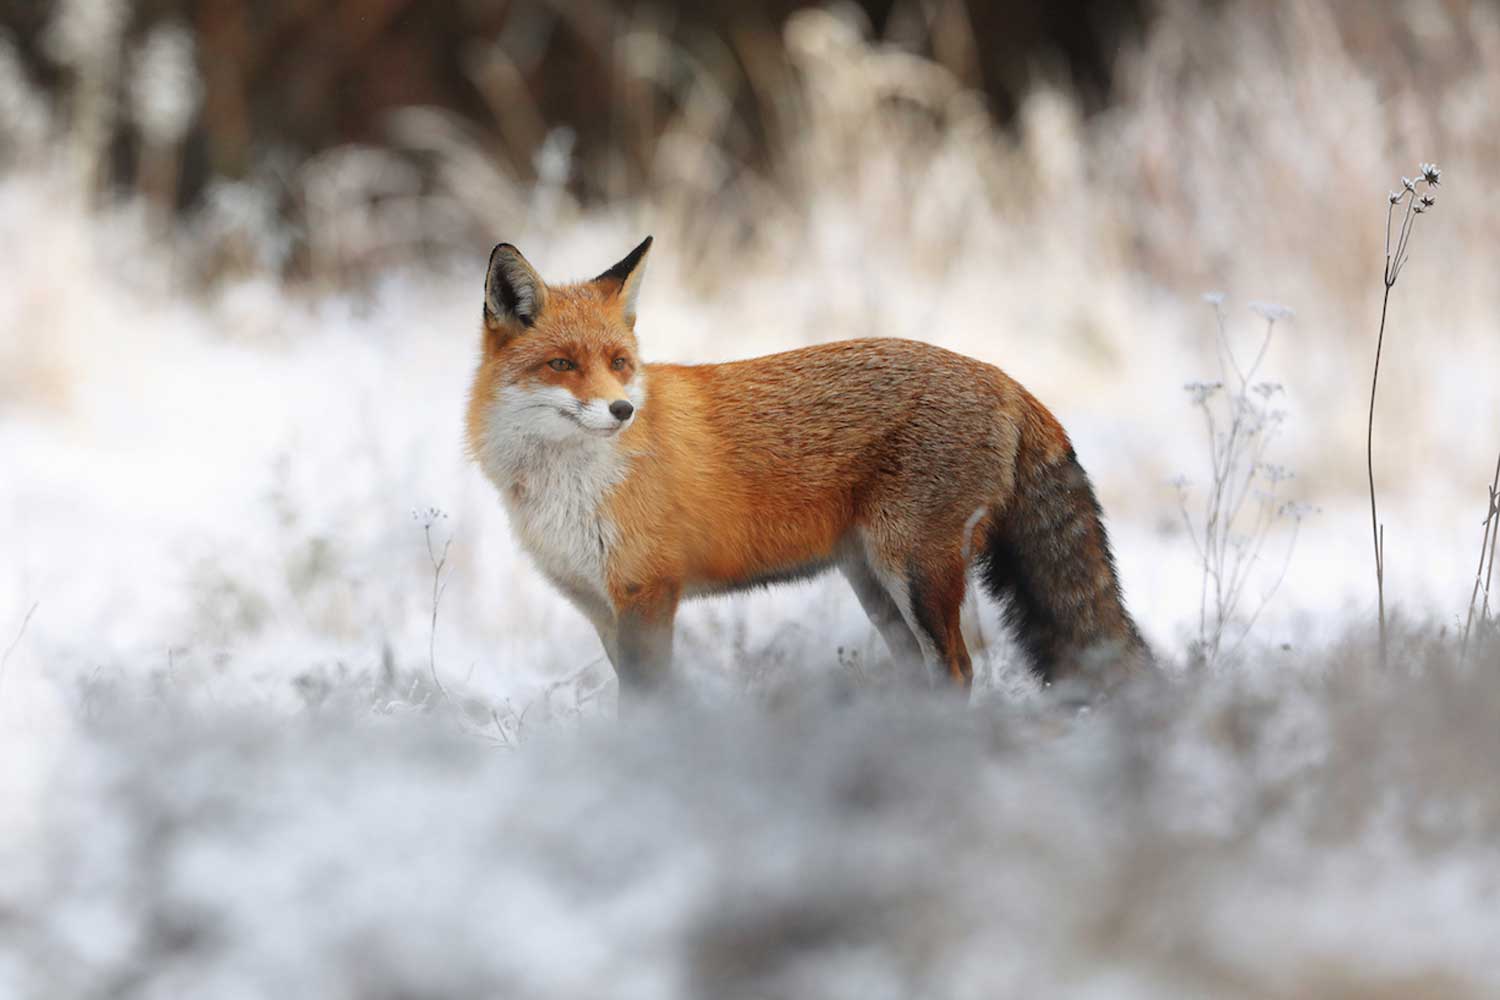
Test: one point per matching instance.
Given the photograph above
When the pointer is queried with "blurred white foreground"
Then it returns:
(1328, 838)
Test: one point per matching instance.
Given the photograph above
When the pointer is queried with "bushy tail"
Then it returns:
(1047, 560)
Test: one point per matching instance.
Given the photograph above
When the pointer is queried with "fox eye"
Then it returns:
(561, 365)
(620, 364)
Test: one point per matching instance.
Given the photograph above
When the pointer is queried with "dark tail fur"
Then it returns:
(1048, 562)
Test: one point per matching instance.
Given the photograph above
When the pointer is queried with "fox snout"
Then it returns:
(603, 415)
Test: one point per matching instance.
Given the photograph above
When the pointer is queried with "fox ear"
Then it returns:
(624, 279)
(514, 293)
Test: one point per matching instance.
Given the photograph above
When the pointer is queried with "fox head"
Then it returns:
(561, 361)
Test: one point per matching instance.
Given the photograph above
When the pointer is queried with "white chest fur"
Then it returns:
(554, 486)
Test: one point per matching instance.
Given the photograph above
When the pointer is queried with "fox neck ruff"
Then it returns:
(554, 486)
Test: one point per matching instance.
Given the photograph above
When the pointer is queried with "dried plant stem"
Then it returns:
(1483, 576)
(1286, 563)
(1239, 428)
(1377, 532)
(1484, 609)
(439, 562)
(17, 640)
(1415, 197)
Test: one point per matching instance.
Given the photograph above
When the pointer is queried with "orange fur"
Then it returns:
(895, 461)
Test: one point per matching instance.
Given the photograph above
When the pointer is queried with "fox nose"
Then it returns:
(621, 409)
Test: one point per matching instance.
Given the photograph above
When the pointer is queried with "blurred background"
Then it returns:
(263, 626)
(611, 101)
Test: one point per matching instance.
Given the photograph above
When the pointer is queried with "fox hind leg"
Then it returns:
(915, 602)
(885, 614)
(934, 599)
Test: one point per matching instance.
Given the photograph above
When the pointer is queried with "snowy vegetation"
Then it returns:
(242, 753)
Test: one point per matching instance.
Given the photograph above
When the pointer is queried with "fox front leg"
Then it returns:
(643, 640)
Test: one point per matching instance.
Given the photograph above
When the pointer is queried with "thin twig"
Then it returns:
(1259, 356)
(1224, 348)
(1286, 563)
(439, 585)
(505, 739)
(1375, 529)
(1236, 457)
(1395, 261)
(17, 640)
(1240, 574)
(1484, 608)
(1485, 542)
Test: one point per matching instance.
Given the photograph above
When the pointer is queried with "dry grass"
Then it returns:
(1305, 828)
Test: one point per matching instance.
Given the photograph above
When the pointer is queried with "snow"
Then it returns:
(230, 769)
(229, 774)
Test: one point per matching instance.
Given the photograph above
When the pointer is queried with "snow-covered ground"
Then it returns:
(228, 772)
(1240, 839)
(237, 760)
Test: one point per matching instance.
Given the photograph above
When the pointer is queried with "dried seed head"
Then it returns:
(1431, 173)
(1268, 389)
(1271, 312)
(1428, 201)
(1201, 391)
(428, 516)
(1296, 511)
(1395, 197)
(1408, 183)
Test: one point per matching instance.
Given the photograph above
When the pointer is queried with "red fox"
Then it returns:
(634, 486)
